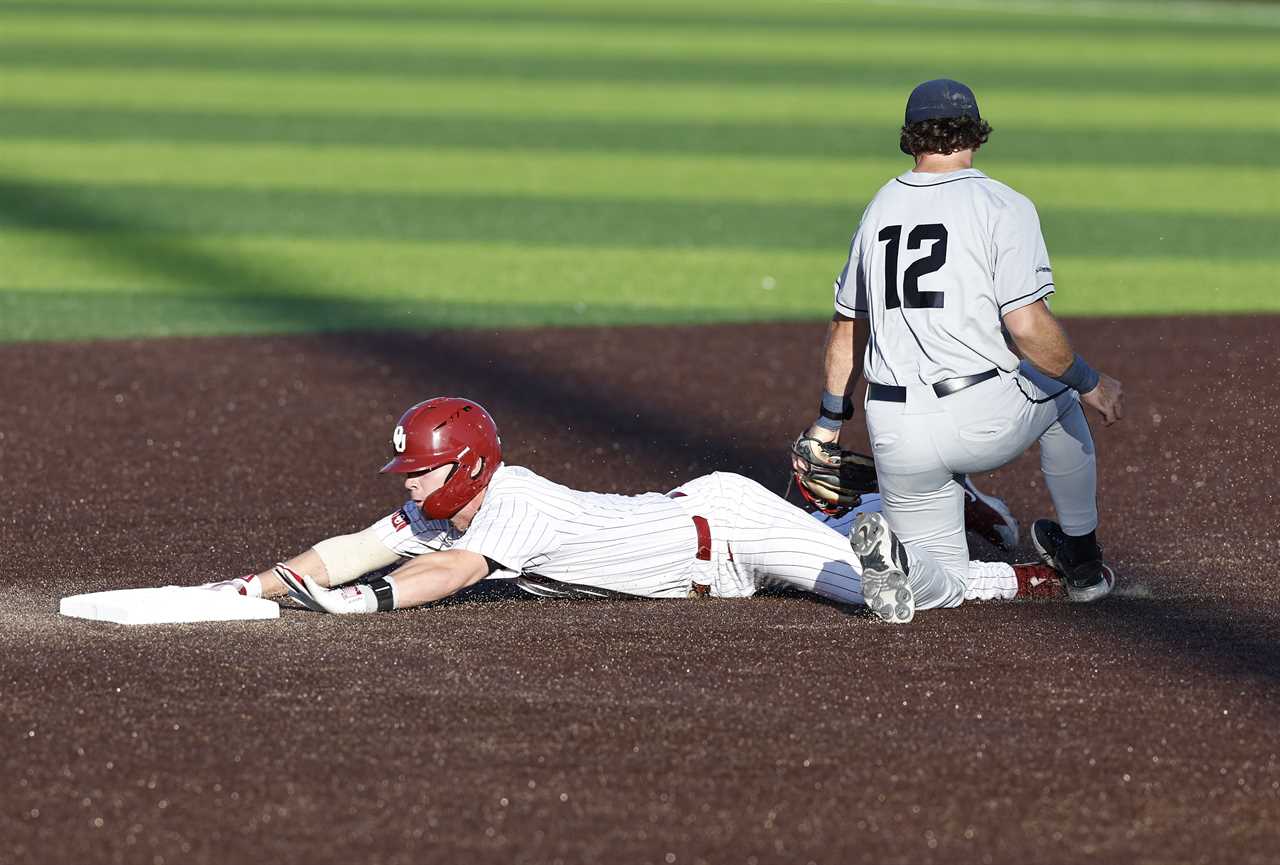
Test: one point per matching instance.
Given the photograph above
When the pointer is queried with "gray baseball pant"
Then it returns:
(923, 445)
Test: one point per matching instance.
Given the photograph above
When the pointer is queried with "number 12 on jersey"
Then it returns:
(912, 296)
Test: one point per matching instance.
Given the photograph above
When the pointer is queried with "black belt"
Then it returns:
(894, 393)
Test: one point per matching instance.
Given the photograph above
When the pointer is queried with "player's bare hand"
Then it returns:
(1107, 399)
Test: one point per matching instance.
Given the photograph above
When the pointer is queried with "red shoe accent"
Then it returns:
(1039, 583)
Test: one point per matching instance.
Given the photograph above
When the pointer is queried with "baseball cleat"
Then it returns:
(1084, 574)
(1037, 582)
(885, 587)
(988, 517)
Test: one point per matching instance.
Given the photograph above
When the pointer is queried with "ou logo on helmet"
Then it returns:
(399, 439)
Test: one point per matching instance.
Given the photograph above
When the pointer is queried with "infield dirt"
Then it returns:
(496, 728)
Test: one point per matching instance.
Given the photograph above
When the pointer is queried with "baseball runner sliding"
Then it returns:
(942, 305)
(471, 516)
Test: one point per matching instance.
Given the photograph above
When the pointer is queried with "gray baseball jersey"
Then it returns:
(935, 263)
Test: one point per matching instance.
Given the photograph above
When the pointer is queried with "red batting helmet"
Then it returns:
(447, 431)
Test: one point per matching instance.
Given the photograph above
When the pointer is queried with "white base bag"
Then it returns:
(168, 605)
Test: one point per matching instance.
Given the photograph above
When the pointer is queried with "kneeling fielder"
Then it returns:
(720, 535)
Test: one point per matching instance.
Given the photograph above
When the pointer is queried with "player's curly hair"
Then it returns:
(944, 136)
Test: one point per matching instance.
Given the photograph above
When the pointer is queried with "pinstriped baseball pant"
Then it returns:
(758, 539)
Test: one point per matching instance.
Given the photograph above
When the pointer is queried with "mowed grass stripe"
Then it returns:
(289, 165)
(743, 284)
(537, 221)
(307, 268)
(930, 19)
(1086, 146)
(1009, 106)
(1232, 191)
(287, 281)
(433, 65)
(284, 45)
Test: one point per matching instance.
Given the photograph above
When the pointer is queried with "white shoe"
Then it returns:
(885, 587)
(988, 517)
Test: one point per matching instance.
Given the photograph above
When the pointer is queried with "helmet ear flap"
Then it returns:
(447, 430)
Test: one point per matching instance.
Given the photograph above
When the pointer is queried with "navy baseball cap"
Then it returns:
(940, 98)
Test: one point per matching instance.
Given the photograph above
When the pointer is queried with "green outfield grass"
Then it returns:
(195, 166)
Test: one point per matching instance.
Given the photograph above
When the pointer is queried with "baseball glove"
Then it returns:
(831, 479)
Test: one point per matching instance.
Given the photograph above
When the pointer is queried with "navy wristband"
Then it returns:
(835, 407)
(1080, 377)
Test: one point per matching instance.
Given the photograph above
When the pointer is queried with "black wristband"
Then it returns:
(384, 590)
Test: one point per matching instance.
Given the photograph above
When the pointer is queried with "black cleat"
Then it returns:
(1084, 574)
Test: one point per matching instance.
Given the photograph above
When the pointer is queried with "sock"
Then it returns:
(1082, 548)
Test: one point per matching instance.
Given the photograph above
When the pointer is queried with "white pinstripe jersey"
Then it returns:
(407, 532)
(639, 545)
(936, 261)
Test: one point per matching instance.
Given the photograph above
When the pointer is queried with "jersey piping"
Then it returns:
(1035, 295)
(940, 182)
